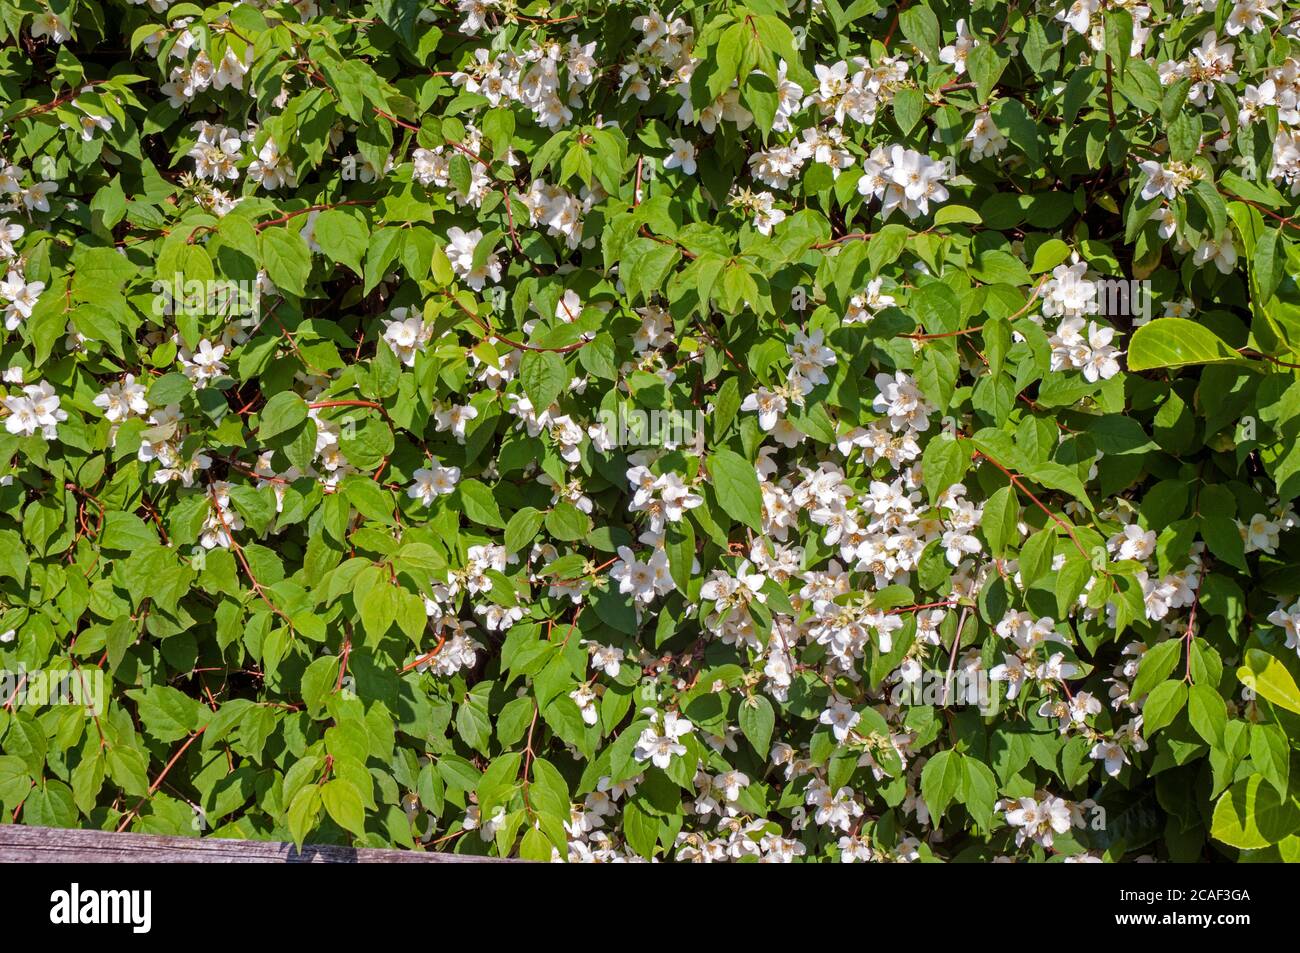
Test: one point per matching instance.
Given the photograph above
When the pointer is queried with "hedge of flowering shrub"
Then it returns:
(722, 430)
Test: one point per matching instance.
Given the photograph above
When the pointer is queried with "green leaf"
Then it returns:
(318, 681)
(544, 377)
(522, 528)
(378, 611)
(1048, 255)
(168, 714)
(941, 780)
(1251, 815)
(944, 462)
(371, 500)
(736, 483)
(979, 791)
(1176, 342)
(885, 247)
(129, 769)
(1162, 706)
(566, 522)
(479, 505)
(997, 342)
(342, 237)
(1184, 134)
(756, 721)
(169, 389)
(645, 265)
(281, 414)
(1156, 665)
(921, 27)
(1208, 713)
(1269, 678)
(1036, 555)
(119, 637)
(908, 106)
(641, 828)
(1001, 515)
(344, 805)
(87, 781)
(304, 810)
(680, 545)
(1270, 751)
(725, 405)
(14, 781)
(286, 258)
(125, 532)
(985, 66)
(472, 722)
(535, 846)
(937, 308)
(1018, 126)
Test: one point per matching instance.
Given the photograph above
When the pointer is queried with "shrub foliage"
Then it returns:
(720, 431)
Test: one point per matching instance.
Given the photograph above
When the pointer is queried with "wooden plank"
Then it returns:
(48, 845)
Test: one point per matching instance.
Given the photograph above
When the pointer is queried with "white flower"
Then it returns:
(217, 152)
(1133, 543)
(841, 717)
(231, 70)
(1112, 754)
(863, 307)
(569, 307)
(1093, 354)
(766, 215)
(810, 358)
(902, 401)
(222, 520)
(634, 577)
(1221, 251)
(585, 699)
(48, 25)
(407, 335)
(271, 169)
(1069, 292)
(1249, 15)
(682, 154)
(1260, 534)
(908, 179)
(985, 138)
(607, 658)
(769, 405)
(205, 363)
(36, 198)
(21, 296)
(659, 746)
(35, 411)
(1038, 821)
(9, 233)
(461, 249)
(955, 53)
(90, 122)
(455, 418)
(1012, 671)
(1289, 621)
(1100, 363)
(122, 400)
(432, 482)
(1159, 181)
(1078, 15)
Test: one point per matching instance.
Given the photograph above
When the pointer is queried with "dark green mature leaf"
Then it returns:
(736, 484)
